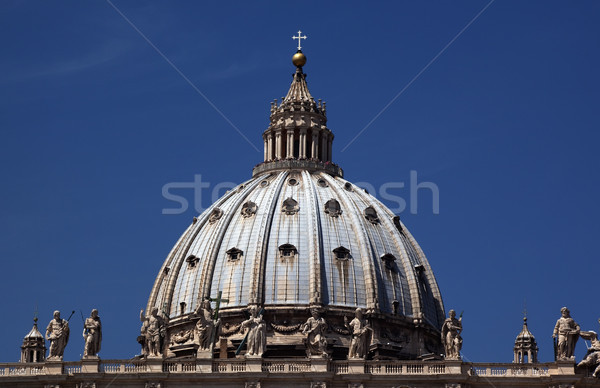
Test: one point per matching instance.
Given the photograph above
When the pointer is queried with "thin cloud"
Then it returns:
(17, 72)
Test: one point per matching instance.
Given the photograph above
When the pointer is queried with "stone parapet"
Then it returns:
(298, 164)
(221, 371)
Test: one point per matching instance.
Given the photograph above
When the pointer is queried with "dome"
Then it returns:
(295, 236)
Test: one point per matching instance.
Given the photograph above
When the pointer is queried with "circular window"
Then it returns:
(264, 183)
(293, 182)
(348, 186)
(322, 182)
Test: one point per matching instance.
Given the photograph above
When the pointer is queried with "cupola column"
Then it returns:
(329, 143)
(302, 143)
(266, 148)
(314, 150)
(323, 146)
(278, 144)
(290, 143)
(269, 155)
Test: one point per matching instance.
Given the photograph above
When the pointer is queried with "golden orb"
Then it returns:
(299, 59)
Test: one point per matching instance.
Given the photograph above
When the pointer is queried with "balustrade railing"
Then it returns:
(491, 370)
(123, 366)
(510, 370)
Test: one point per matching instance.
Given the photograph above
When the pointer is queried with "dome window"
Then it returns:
(240, 188)
(264, 183)
(348, 186)
(293, 182)
(191, 261)
(290, 206)
(215, 215)
(322, 183)
(234, 254)
(333, 208)
(342, 253)
(371, 215)
(287, 252)
(249, 209)
(397, 224)
(389, 261)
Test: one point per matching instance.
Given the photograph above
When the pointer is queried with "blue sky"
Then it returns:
(95, 122)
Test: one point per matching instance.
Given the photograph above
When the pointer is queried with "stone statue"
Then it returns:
(257, 333)
(361, 335)
(206, 327)
(154, 330)
(451, 338)
(567, 332)
(592, 358)
(92, 334)
(57, 333)
(314, 328)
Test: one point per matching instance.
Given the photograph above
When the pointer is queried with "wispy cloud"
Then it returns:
(17, 72)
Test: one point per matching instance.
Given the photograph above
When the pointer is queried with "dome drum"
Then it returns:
(393, 337)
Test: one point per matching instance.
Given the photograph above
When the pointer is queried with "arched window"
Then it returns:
(191, 262)
(287, 252)
(342, 253)
(234, 254)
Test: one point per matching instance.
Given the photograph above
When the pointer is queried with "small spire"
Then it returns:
(525, 345)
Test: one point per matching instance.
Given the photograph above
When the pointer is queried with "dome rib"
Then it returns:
(413, 289)
(437, 296)
(258, 273)
(371, 283)
(314, 253)
(174, 262)
(217, 247)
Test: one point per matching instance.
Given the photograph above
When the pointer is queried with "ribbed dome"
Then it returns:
(313, 215)
(298, 235)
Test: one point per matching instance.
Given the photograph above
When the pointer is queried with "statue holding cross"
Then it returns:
(208, 323)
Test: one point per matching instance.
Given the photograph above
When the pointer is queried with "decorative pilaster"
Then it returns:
(90, 364)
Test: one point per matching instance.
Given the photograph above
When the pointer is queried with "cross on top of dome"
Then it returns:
(299, 37)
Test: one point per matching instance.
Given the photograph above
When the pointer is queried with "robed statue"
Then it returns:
(206, 326)
(314, 328)
(592, 358)
(92, 334)
(154, 330)
(451, 330)
(566, 334)
(57, 333)
(257, 333)
(361, 335)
